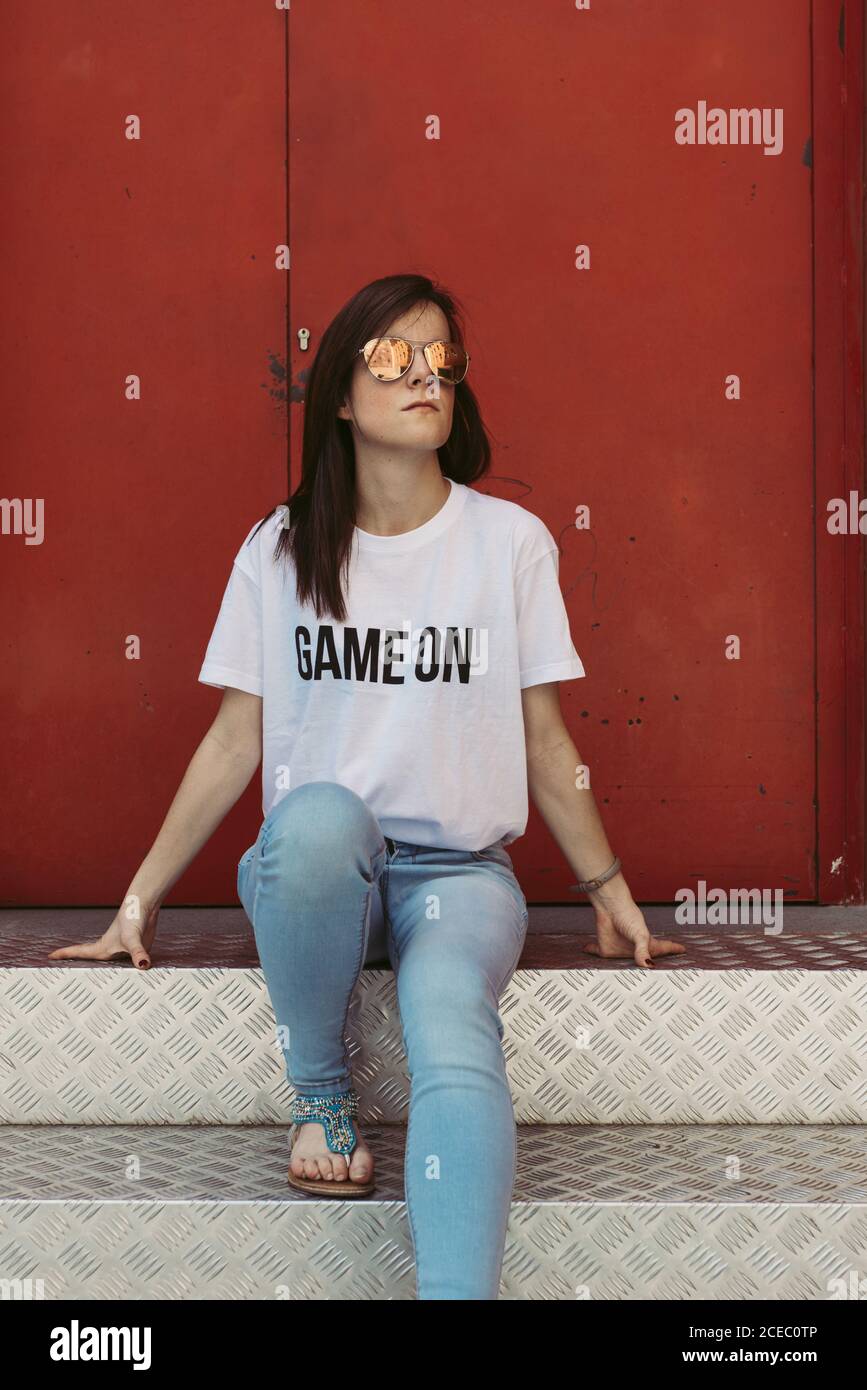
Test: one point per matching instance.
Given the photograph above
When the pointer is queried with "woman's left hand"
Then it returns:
(622, 931)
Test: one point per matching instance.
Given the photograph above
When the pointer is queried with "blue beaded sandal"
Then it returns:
(334, 1114)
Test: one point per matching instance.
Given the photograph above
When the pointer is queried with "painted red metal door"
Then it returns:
(643, 316)
(144, 404)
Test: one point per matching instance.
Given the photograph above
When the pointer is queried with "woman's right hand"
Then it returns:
(131, 933)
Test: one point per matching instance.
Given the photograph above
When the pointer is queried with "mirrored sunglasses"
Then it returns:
(388, 359)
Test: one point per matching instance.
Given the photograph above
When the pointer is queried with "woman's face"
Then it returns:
(378, 411)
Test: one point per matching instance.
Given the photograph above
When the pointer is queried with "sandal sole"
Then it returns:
(343, 1187)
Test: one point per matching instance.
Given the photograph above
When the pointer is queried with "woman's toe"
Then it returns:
(359, 1169)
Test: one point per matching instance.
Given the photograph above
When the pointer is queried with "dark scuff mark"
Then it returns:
(807, 155)
(278, 372)
(514, 487)
(569, 581)
(298, 389)
(276, 367)
(763, 790)
(841, 29)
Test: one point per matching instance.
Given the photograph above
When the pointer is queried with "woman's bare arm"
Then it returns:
(569, 809)
(217, 774)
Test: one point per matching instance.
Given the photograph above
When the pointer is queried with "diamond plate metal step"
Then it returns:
(744, 1029)
(600, 1212)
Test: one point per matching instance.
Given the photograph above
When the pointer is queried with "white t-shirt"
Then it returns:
(424, 724)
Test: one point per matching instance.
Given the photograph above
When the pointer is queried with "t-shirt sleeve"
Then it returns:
(234, 653)
(545, 648)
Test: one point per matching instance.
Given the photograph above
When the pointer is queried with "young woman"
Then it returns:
(390, 643)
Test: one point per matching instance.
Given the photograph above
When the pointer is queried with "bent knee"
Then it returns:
(320, 816)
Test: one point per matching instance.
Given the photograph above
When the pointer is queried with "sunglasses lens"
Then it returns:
(387, 358)
(448, 360)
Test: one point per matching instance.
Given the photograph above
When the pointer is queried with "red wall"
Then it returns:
(606, 386)
(155, 257)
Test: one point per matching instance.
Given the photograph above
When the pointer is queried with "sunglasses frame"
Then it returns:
(424, 346)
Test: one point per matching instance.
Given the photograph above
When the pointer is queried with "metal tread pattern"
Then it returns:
(583, 1046)
(598, 1212)
(213, 938)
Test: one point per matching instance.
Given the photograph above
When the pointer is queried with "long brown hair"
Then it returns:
(318, 538)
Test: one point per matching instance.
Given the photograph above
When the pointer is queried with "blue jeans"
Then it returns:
(325, 892)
